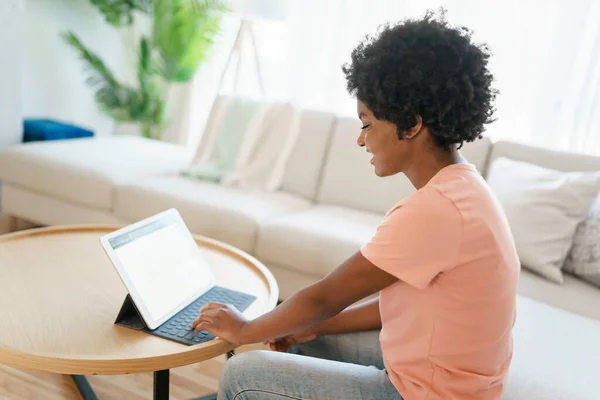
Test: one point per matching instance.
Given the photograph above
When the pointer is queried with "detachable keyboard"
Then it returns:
(178, 328)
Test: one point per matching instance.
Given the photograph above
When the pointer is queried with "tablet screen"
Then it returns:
(163, 263)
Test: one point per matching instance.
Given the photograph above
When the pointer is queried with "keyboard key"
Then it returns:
(182, 333)
(190, 335)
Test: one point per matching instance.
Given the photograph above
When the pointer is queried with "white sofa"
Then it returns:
(329, 204)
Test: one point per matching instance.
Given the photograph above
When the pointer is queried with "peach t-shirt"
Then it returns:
(447, 322)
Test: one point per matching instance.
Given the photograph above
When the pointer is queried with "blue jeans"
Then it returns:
(334, 367)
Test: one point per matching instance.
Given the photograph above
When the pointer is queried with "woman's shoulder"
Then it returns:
(427, 203)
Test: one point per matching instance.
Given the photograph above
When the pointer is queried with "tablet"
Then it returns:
(160, 264)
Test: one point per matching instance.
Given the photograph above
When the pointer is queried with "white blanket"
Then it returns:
(247, 144)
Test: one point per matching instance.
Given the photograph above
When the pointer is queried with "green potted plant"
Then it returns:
(182, 34)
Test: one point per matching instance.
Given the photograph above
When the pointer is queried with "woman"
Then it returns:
(443, 259)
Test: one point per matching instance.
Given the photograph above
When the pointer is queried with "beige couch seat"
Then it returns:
(556, 354)
(85, 171)
(315, 240)
(223, 213)
(573, 294)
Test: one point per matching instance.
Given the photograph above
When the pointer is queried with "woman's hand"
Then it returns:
(282, 344)
(222, 320)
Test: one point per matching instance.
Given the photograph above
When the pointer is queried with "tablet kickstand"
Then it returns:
(129, 316)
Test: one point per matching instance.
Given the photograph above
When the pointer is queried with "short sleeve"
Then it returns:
(418, 239)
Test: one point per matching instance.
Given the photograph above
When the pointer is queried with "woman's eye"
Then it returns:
(365, 126)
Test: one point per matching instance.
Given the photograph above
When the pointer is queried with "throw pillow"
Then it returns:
(247, 143)
(584, 258)
(221, 143)
(543, 207)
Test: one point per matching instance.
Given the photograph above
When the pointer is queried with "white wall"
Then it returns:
(53, 78)
(10, 88)
(10, 91)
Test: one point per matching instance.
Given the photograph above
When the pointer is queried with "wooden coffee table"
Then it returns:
(60, 296)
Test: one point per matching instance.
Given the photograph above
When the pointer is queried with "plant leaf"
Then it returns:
(152, 100)
(183, 33)
(119, 13)
(101, 73)
(118, 101)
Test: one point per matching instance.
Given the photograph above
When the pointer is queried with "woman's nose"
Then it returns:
(361, 139)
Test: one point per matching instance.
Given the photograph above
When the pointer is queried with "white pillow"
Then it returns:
(584, 258)
(543, 207)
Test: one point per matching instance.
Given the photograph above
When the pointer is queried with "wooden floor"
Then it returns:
(186, 383)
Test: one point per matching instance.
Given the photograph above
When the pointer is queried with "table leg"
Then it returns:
(161, 385)
(86, 391)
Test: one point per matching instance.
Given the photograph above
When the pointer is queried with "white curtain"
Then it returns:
(11, 41)
(546, 60)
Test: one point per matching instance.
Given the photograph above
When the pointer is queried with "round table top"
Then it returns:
(60, 295)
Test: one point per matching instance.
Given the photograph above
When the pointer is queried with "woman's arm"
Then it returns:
(352, 281)
(356, 318)
(359, 317)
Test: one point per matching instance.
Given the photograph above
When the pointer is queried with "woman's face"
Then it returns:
(380, 138)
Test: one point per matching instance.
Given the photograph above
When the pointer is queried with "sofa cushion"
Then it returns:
(47, 211)
(556, 354)
(349, 180)
(551, 159)
(315, 240)
(303, 170)
(543, 207)
(573, 294)
(84, 171)
(228, 214)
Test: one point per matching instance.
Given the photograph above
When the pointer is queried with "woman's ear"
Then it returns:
(415, 129)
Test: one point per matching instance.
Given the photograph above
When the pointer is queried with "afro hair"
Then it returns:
(425, 67)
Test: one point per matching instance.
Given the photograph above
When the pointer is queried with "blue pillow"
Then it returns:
(47, 129)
